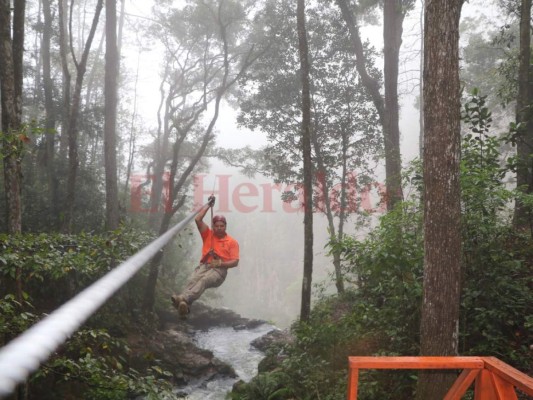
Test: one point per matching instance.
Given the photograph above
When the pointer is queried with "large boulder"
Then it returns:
(273, 345)
(275, 338)
(203, 317)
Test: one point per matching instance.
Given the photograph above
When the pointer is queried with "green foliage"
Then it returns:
(13, 142)
(43, 212)
(268, 386)
(71, 262)
(508, 89)
(346, 130)
(96, 365)
(13, 320)
(496, 304)
(497, 292)
(379, 314)
(42, 209)
(489, 60)
(386, 269)
(484, 197)
(92, 364)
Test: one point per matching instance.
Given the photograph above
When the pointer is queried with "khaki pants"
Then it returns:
(202, 278)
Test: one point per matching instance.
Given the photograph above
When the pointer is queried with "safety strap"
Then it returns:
(212, 247)
(212, 233)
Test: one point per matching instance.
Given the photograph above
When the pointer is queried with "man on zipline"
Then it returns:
(219, 252)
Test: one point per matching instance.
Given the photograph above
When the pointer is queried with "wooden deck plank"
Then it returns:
(495, 380)
(461, 385)
(353, 383)
(504, 389)
(485, 387)
(510, 374)
(416, 362)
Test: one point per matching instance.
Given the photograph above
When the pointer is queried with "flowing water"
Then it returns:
(233, 347)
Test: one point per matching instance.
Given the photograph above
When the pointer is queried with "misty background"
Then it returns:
(267, 282)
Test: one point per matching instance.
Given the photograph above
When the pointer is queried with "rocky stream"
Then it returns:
(208, 352)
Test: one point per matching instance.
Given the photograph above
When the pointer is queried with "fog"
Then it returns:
(267, 282)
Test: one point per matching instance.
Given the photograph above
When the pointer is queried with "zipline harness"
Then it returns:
(211, 251)
(24, 354)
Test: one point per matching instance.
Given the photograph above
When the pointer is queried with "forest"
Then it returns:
(374, 159)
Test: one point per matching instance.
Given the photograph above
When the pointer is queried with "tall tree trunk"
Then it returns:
(303, 52)
(387, 108)
(324, 188)
(33, 111)
(94, 68)
(50, 119)
(442, 207)
(121, 25)
(19, 12)
(149, 295)
(66, 77)
(523, 215)
(11, 52)
(48, 85)
(110, 90)
(72, 124)
(162, 143)
(133, 131)
(393, 15)
(421, 90)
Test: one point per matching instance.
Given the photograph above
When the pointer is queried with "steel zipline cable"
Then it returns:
(24, 354)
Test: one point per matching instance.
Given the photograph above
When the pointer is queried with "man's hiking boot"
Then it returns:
(181, 305)
(183, 308)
